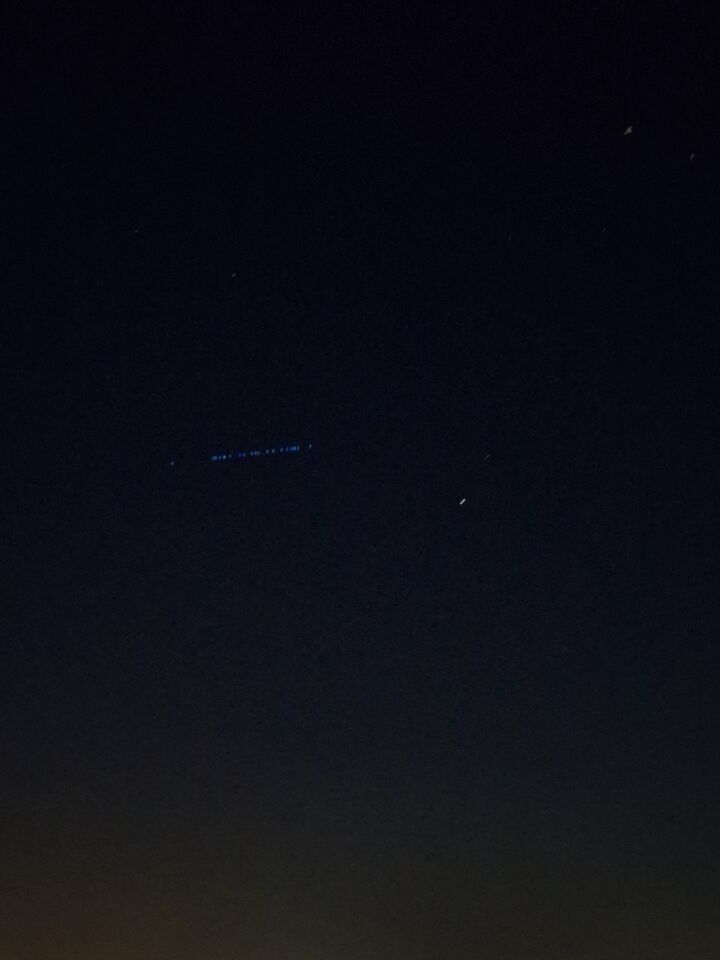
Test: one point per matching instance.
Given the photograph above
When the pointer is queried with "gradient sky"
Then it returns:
(314, 706)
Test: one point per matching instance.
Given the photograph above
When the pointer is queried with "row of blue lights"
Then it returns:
(268, 451)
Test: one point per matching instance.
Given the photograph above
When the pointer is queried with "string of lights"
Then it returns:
(261, 452)
(255, 452)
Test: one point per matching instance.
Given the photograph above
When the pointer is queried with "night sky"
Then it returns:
(443, 685)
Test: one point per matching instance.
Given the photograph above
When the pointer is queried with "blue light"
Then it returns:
(257, 452)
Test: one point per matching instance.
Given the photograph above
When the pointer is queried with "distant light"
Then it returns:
(462, 502)
(258, 452)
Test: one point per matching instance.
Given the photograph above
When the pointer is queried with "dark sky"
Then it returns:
(312, 706)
